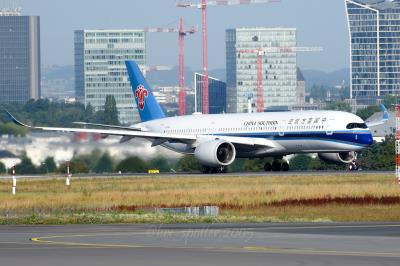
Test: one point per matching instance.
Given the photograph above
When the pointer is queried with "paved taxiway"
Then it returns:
(243, 244)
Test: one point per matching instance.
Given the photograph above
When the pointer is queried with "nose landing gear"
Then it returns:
(353, 166)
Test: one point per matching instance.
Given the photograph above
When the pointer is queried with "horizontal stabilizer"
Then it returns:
(385, 118)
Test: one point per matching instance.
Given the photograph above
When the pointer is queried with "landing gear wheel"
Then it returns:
(285, 167)
(267, 167)
(276, 166)
(353, 166)
(206, 169)
(214, 170)
(223, 169)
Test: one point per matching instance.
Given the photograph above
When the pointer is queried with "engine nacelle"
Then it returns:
(341, 157)
(215, 153)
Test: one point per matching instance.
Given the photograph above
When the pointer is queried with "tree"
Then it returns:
(26, 166)
(104, 164)
(188, 163)
(90, 159)
(76, 166)
(339, 106)
(237, 165)
(256, 165)
(300, 162)
(132, 164)
(160, 163)
(89, 112)
(368, 111)
(110, 111)
(48, 166)
(390, 100)
(12, 129)
(3, 169)
(318, 164)
(379, 156)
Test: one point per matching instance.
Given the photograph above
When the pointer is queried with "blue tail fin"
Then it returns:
(147, 105)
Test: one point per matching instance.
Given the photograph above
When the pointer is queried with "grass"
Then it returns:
(358, 197)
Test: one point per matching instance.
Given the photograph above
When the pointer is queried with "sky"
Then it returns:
(318, 22)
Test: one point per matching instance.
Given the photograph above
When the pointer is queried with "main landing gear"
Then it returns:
(276, 166)
(214, 170)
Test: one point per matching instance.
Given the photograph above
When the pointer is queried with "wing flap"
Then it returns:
(107, 126)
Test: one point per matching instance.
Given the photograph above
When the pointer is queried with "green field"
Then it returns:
(340, 197)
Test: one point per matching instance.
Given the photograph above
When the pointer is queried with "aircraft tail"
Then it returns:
(147, 105)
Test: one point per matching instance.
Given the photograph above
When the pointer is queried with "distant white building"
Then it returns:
(100, 70)
(166, 94)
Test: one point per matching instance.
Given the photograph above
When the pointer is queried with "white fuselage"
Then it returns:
(294, 132)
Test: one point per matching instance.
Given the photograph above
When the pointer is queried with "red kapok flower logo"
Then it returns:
(141, 93)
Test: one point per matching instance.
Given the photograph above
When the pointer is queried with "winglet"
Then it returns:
(16, 121)
(385, 113)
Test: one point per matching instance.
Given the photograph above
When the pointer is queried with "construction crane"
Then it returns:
(181, 35)
(182, 92)
(203, 6)
(262, 51)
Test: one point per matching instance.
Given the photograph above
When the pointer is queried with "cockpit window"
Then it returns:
(356, 125)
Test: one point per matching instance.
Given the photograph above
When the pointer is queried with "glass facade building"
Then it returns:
(216, 94)
(20, 57)
(374, 30)
(100, 70)
(279, 66)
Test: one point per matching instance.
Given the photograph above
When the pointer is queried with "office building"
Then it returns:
(100, 70)
(216, 94)
(279, 66)
(20, 56)
(374, 30)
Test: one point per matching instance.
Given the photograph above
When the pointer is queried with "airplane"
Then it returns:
(216, 140)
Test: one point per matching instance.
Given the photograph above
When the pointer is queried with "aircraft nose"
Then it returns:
(369, 139)
(365, 139)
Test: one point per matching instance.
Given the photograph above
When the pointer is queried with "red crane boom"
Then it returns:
(203, 7)
(260, 88)
(181, 61)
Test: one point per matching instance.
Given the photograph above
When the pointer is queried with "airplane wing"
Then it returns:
(384, 119)
(126, 133)
(157, 138)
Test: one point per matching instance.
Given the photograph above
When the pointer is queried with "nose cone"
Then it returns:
(368, 139)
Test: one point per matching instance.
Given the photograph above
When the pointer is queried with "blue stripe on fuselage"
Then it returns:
(356, 137)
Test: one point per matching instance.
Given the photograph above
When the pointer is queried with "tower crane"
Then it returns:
(203, 6)
(181, 35)
(265, 50)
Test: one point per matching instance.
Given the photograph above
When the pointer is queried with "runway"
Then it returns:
(221, 244)
(173, 175)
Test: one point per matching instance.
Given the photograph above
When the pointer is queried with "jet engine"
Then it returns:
(341, 157)
(215, 153)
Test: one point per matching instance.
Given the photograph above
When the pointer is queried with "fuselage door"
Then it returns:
(282, 127)
(329, 126)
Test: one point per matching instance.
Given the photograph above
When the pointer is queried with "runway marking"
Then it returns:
(16, 243)
(327, 226)
(264, 249)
